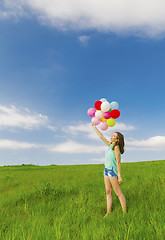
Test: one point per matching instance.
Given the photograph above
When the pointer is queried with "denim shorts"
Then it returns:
(109, 173)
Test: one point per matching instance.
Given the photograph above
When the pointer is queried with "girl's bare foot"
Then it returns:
(106, 215)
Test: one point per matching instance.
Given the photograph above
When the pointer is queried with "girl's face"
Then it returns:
(114, 138)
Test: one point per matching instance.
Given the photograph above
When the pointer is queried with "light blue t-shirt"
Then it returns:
(110, 159)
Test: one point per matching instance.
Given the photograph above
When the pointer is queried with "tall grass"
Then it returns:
(69, 202)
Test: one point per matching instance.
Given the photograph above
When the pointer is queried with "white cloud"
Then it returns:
(52, 128)
(77, 129)
(66, 147)
(129, 16)
(123, 127)
(12, 9)
(155, 143)
(16, 145)
(75, 147)
(86, 128)
(84, 39)
(21, 118)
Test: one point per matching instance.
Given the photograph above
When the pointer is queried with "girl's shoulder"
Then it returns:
(116, 147)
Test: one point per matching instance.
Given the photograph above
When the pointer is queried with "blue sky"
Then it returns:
(54, 65)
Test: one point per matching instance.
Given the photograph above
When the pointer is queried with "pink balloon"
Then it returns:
(96, 121)
(91, 112)
(103, 126)
(106, 115)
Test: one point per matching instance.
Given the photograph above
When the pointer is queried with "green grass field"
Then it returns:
(69, 202)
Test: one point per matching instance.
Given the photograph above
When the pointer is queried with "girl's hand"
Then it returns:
(120, 181)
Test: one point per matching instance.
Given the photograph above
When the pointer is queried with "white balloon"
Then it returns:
(105, 106)
(103, 100)
(114, 105)
(98, 114)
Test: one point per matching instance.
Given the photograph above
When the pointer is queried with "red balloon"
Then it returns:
(98, 105)
(114, 113)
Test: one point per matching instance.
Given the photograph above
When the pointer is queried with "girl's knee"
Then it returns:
(108, 191)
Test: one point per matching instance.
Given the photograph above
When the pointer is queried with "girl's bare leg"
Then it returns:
(118, 192)
(108, 187)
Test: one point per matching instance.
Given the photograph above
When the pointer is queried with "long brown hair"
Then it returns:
(120, 142)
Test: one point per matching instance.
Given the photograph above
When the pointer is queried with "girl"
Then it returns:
(112, 171)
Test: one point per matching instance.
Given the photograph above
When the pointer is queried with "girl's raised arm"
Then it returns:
(101, 135)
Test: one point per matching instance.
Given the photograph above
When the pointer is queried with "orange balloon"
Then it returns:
(103, 119)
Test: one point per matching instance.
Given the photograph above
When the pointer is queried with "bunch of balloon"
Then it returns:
(104, 113)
